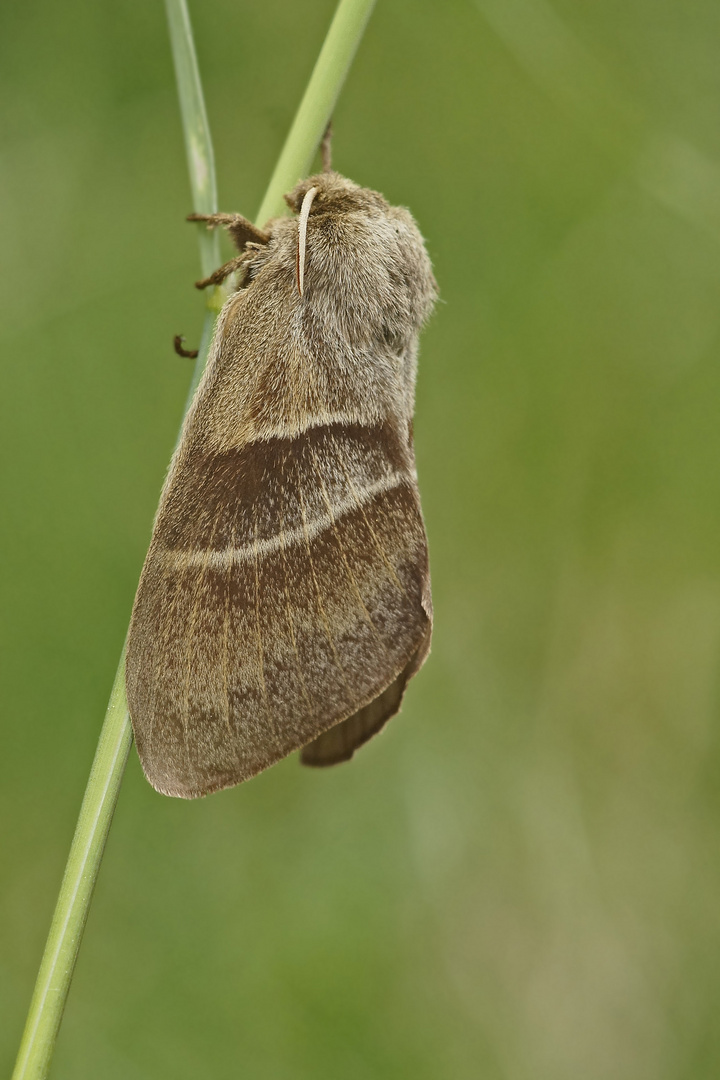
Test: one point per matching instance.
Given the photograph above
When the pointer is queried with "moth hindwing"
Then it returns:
(285, 598)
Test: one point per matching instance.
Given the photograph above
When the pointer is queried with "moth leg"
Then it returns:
(241, 230)
(219, 275)
(181, 351)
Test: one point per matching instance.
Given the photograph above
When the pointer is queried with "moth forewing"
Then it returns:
(285, 598)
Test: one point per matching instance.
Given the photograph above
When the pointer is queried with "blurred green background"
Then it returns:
(520, 879)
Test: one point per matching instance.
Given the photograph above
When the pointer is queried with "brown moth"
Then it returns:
(285, 599)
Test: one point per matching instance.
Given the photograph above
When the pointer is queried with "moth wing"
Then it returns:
(340, 742)
(284, 603)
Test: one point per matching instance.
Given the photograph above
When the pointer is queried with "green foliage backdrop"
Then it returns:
(520, 879)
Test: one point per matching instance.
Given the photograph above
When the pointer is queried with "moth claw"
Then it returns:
(191, 354)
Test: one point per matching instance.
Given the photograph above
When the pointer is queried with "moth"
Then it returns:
(285, 599)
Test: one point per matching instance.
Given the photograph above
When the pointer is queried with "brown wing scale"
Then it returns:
(277, 615)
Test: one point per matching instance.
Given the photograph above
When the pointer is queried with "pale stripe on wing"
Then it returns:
(225, 557)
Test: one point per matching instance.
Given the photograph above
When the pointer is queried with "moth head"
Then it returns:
(334, 194)
(327, 193)
(362, 256)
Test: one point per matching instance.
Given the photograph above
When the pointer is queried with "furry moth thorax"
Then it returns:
(285, 600)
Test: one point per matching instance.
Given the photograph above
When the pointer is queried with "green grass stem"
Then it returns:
(318, 103)
(96, 812)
